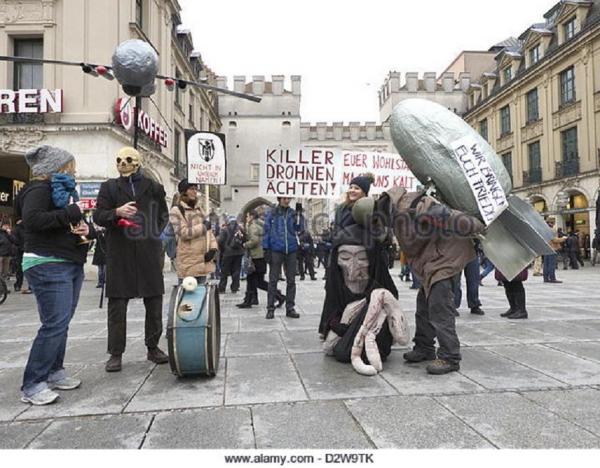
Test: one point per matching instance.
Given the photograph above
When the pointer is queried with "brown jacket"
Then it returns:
(435, 250)
(192, 242)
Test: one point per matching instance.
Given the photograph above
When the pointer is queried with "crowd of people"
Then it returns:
(361, 319)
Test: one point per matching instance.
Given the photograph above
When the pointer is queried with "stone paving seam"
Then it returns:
(138, 390)
(570, 353)
(253, 427)
(357, 422)
(42, 430)
(147, 431)
(297, 370)
(466, 423)
(224, 369)
(529, 367)
(560, 416)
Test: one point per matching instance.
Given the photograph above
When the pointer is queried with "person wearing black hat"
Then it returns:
(196, 244)
(359, 188)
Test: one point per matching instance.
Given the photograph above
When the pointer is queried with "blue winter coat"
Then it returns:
(281, 231)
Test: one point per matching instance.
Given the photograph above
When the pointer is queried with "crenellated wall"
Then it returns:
(444, 89)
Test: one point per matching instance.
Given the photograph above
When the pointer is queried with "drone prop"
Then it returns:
(135, 67)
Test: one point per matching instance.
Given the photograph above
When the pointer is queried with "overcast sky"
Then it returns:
(344, 49)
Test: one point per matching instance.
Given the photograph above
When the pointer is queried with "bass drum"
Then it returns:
(194, 331)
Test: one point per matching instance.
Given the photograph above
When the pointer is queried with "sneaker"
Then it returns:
(68, 383)
(416, 355)
(113, 364)
(477, 311)
(45, 397)
(441, 366)
(157, 356)
(292, 314)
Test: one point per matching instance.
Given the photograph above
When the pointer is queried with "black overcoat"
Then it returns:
(133, 256)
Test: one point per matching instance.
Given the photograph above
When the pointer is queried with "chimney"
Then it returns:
(429, 82)
(239, 83)
(412, 82)
(258, 85)
(448, 82)
(296, 85)
(222, 82)
(465, 80)
(277, 84)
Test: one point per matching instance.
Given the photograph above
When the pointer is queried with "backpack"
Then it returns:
(169, 238)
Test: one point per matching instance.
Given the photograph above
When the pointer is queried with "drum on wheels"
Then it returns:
(194, 331)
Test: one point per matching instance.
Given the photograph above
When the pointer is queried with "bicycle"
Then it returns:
(3, 291)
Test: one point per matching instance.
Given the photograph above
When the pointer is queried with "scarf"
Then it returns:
(63, 188)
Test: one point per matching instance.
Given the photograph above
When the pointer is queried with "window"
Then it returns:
(191, 112)
(533, 112)
(139, 12)
(570, 28)
(507, 74)
(483, 129)
(504, 121)
(569, 144)
(507, 161)
(177, 90)
(254, 171)
(567, 86)
(534, 55)
(28, 75)
(535, 161)
(176, 156)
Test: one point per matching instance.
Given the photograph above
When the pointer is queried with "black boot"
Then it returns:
(247, 303)
(280, 299)
(521, 312)
(254, 298)
(510, 295)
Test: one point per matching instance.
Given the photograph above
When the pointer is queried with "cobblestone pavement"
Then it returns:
(522, 384)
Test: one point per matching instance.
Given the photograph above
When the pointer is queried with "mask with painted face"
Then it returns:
(354, 263)
(128, 161)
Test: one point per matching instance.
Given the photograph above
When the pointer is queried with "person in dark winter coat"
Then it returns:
(515, 293)
(306, 256)
(6, 248)
(53, 264)
(231, 240)
(280, 247)
(99, 258)
(574, 249)
(134, 212)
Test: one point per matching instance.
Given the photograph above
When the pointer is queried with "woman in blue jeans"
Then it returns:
(53, 264)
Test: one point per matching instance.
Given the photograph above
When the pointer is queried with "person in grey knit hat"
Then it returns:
(46, 159)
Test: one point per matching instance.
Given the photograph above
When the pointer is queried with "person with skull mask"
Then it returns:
(133, 210)
(361, 308)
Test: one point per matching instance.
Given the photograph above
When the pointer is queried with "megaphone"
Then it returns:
(365, 214)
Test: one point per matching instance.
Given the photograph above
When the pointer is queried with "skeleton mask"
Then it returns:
(354, 263)
(128, 161)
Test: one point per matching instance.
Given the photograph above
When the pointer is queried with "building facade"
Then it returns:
(539, 108)
(66, 107)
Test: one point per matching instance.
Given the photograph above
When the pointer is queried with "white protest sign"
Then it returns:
(389, 170)
(206, 159)
(483, 181)
(300, 172)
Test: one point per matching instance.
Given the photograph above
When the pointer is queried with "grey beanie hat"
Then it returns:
(47, 159)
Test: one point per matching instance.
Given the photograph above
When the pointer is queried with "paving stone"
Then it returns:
(510, 421)
(413, 379)
(586, 349)
(327, 379)
(575, 405)
(254, 344)
(302, 341)
(515, 332)
(221, 428)
(261, 324)
(561, 366)
(164, 391)
(313, 425)
(19, 435)
(107, 432)
(472, 335)
(498, 373)
(413, 422)
(262, 380)
(100, 393)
